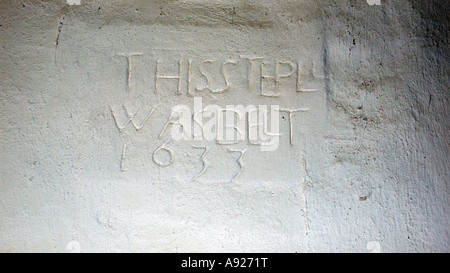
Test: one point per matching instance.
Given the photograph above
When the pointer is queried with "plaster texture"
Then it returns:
(86, 88)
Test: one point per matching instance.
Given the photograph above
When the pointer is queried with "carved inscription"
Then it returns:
(160, 77)
(291, 117)
(160, 149)
(204, 163)
(239, 160)
(130, 118)
(230, 125)
(262, 75)
(224, 75)
(124, 154)
(128, 57)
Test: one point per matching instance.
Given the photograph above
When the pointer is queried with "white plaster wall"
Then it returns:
(369, 170)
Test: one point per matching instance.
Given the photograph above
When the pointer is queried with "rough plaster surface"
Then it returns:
(369, 170)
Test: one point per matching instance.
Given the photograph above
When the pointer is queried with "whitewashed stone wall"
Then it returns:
(87, 88)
